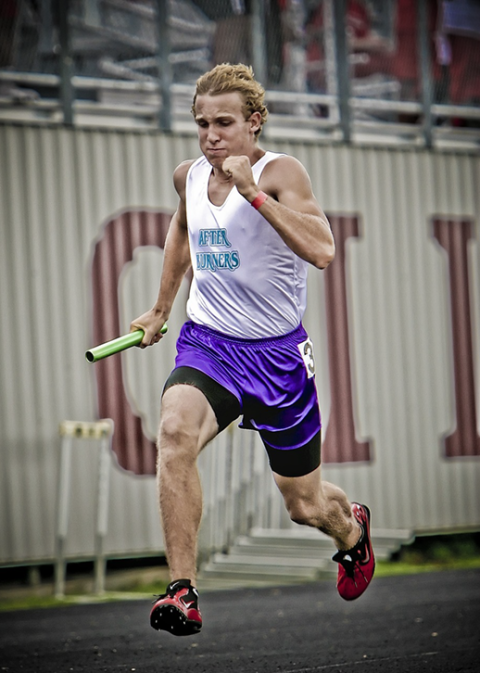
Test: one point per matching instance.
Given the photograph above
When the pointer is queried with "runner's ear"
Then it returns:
(255, 120)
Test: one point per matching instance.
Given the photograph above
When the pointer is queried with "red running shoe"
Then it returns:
(177, 611)
(356, 565)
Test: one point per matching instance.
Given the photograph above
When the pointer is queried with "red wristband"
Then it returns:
(259, 200)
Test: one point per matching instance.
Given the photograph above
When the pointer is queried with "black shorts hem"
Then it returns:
(295, 462)
(224, 403)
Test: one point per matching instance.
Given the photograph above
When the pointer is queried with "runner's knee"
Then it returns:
(187, 423)
(175, 435)
(302, 511)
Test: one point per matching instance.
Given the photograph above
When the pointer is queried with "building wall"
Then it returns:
(395, 322)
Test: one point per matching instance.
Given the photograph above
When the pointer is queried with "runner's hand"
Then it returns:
(151, 323)
(240, 169)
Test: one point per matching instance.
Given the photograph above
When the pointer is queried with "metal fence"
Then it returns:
(397, 70)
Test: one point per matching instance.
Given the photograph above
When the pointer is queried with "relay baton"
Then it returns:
(117, 345)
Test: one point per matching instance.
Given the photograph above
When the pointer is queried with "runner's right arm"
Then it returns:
(176, 262)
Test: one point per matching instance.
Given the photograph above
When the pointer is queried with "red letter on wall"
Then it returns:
(340, 444)
(121, 236)
(453, 236)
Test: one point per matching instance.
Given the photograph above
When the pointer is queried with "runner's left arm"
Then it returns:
(292, 209)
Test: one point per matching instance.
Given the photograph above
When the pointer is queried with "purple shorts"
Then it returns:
(271, 382)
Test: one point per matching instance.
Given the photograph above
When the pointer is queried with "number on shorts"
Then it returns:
(306, 351)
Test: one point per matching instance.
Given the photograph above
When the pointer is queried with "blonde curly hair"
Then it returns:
(227, 78)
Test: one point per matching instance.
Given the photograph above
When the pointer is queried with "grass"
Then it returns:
(426, 554)
(128, 579)
(433, 553)
(28, 603)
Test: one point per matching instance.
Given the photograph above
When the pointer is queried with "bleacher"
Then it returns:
(382, 71)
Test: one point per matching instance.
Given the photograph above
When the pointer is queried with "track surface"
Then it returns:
(428, 623)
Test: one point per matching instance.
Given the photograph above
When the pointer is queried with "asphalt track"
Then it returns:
(427, 622)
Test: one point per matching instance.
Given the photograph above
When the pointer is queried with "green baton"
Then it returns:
(117, 345)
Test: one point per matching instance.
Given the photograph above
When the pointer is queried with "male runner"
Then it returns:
(249, 225)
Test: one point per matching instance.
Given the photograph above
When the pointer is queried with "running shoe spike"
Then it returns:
(177, 611)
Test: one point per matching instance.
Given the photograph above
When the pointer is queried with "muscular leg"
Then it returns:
(320, 504)
(187, 424)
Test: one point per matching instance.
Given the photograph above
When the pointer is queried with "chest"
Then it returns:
(218, 190)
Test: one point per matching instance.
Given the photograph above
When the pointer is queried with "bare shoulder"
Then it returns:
(287, 161)
(180, 176)
(285, 173)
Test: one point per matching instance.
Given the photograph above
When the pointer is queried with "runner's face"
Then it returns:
(223, 130)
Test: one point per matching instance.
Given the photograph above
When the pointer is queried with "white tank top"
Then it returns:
(247, 283)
